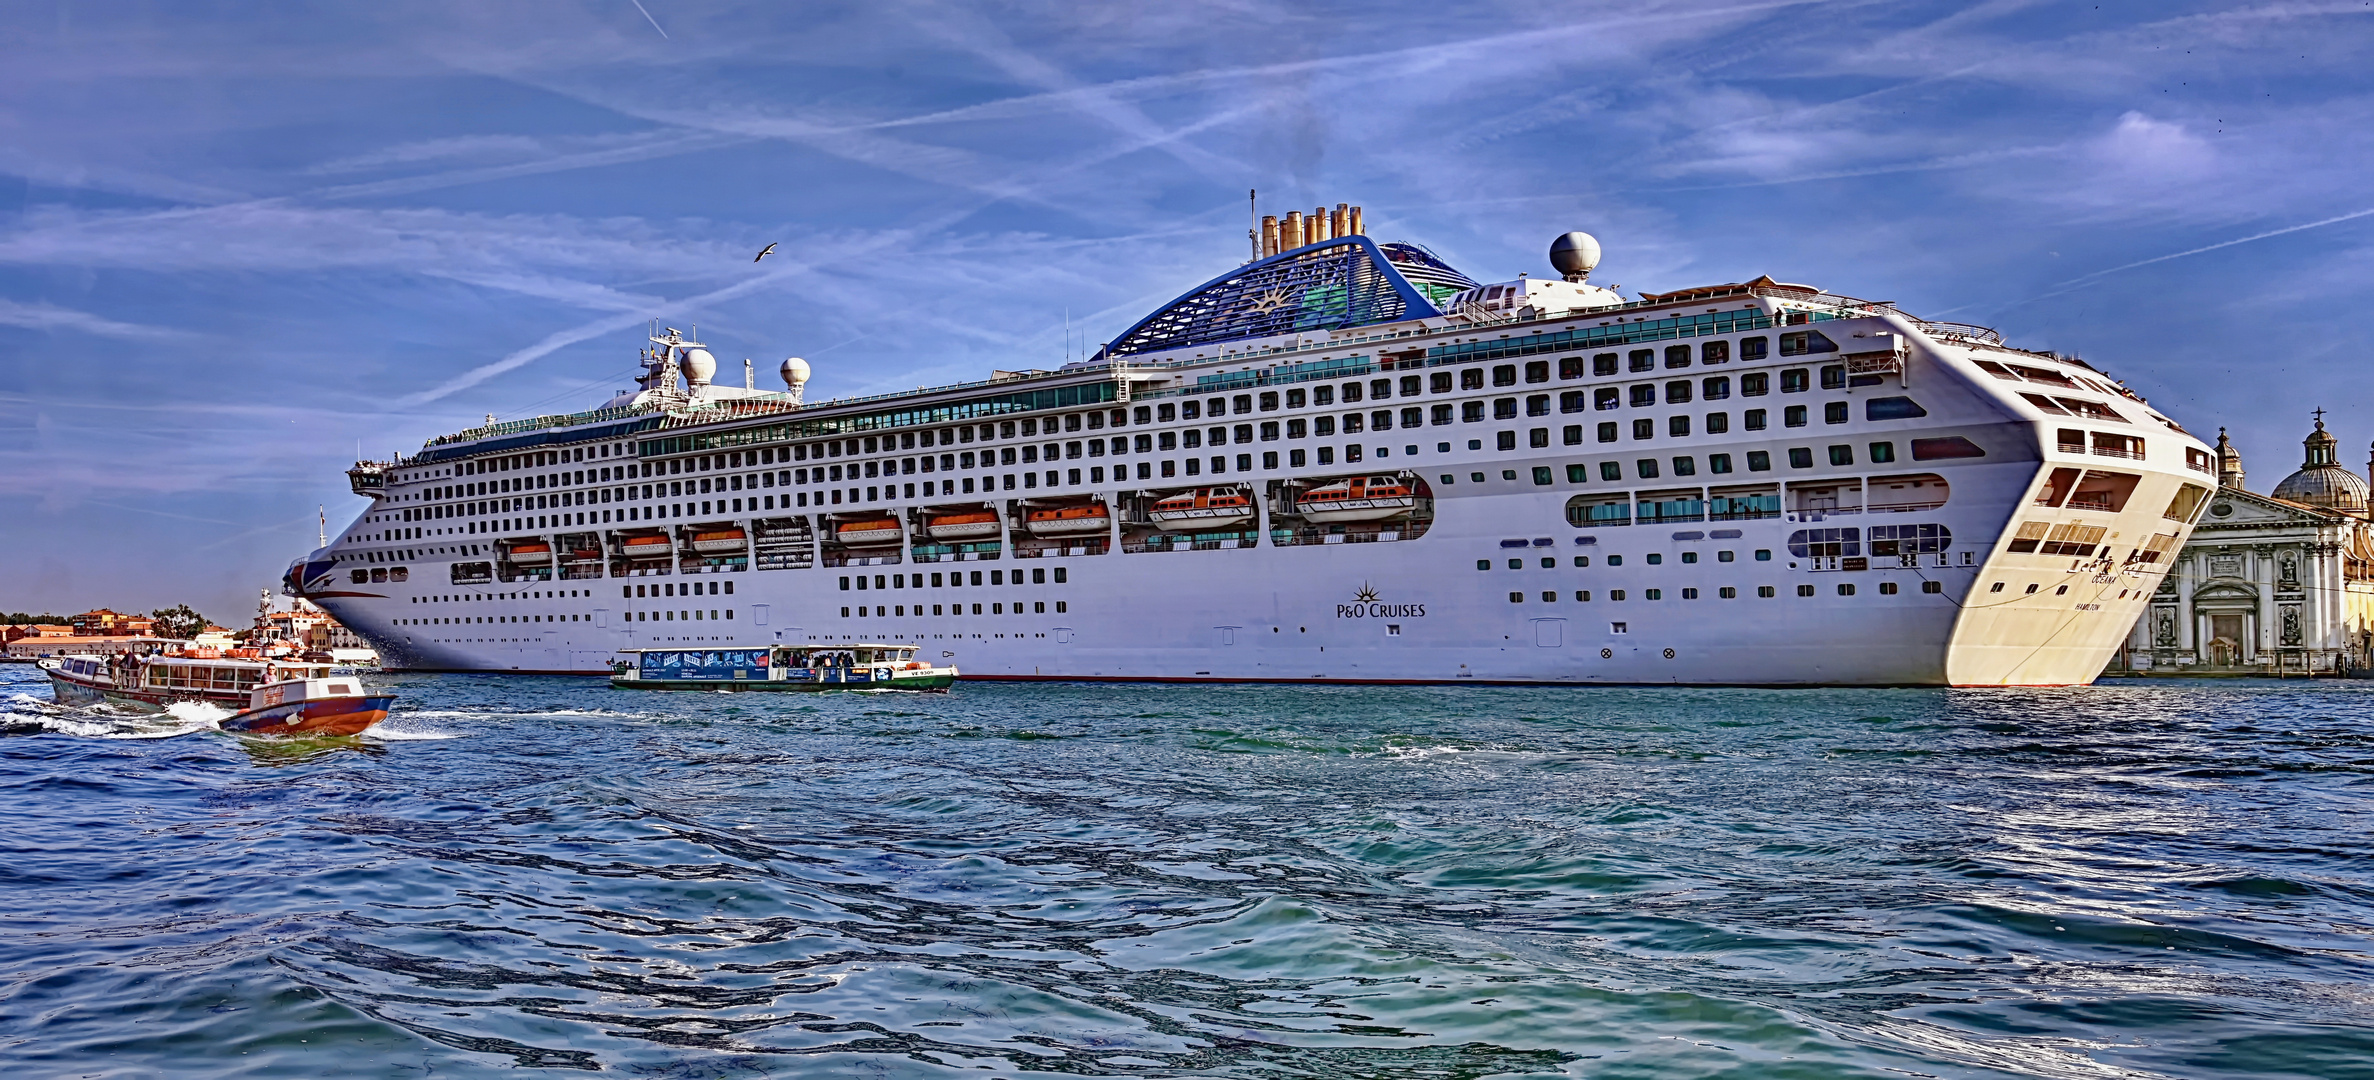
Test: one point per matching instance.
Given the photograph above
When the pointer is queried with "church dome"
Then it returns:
(2321, 480)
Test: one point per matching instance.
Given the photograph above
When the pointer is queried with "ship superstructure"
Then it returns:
(1343, 461)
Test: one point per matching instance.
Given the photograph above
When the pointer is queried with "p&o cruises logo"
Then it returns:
(1365, 605)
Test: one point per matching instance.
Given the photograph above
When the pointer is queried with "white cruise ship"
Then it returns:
(1343, 461)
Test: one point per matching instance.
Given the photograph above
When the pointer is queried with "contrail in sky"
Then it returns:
(647, 16)
(2226, 244)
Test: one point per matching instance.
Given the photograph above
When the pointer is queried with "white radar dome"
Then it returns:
(699, 366)
(794, 371)
(1575, 255)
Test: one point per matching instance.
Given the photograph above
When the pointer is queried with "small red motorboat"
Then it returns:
(331, 706)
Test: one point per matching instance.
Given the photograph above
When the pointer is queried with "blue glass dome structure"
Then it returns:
(1334, 284)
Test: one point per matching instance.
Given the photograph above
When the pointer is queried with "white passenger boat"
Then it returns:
(1739, 483)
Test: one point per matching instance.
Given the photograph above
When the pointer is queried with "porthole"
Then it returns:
(1607, 654)
(1669, 654)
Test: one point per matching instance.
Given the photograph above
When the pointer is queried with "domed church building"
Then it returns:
(2269, 584)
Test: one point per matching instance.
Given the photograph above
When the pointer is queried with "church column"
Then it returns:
(2270, 626)
(2188, 570)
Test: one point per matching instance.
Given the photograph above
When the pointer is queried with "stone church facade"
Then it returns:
(2278, 583)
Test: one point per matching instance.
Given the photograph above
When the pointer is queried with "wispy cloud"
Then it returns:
(50, 317)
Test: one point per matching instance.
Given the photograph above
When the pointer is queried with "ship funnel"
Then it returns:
(1575, 255)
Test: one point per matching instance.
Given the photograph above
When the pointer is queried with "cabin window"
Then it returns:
(1951, 446)
(1471, 379)
(1800, 457)
(1296, 399)
(1892, 408)
(1677, 356)
(1677, 427)
(1834, 377)
(1754, 348)
(1834, 412)
(1269, 401)
(1504, 375)
(1805, 342)
(1644, 428)
(1409, 386)
(1572, 401)
(1269, 431)
(1507, 440)
(1718, 423)
(1570, 367)
(1793, 416)
(1537, 405)
(1380, 389)
(1642, 360)
(1442, 413)
(1755, 384)
(1677, 392)
(1607, 397)
(1715, 387)
(1603, 363)
(1718, 463)
(1842, 455)
(1351, 392)
(1504, 408)
(1883, 453)
(1439, 382)
(1607, 431)
(1644, 395)
(1753, 419)
(1795, 381)
(1323, 427)
(1537, 371)
(1244, 404)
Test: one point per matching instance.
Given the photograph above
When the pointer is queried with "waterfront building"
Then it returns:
(2282, 582)
(104, 623)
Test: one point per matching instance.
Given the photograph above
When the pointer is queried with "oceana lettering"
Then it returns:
(1380, 611)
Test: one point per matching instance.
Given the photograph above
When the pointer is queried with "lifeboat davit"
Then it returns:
(720, 542)
(1203, 508)
(970, 525)
(1070, 520)
(868, 531)
(647, 547)
(1360, 498)
(533, 554)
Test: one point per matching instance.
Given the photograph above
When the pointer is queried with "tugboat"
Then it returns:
(874, 666)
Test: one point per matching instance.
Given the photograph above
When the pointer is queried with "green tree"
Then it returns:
(178, 622)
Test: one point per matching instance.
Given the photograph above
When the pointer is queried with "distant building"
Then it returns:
(2269, 583)
(31, 648)
(105, 623)
(215, 637)
(26, 630)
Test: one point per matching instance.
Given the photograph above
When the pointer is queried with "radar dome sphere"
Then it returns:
(1575, 255)
(699, 366)
(795, 372)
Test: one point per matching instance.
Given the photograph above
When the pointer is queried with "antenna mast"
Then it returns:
(1253, 218)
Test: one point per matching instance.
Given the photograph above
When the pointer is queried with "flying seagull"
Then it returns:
(769, 251)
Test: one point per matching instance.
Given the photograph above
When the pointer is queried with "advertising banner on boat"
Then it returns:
(724, 664)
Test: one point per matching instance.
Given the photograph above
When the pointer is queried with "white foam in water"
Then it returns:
(395, 729)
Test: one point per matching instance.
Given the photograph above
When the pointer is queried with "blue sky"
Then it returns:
(236, 241)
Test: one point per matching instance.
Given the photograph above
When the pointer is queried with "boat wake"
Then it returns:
(24, 714)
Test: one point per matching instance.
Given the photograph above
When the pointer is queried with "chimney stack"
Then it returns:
(1290, 234)
(1358, 229)
(1269, 235)
(1338, 224)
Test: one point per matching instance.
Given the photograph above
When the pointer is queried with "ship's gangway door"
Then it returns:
(1549, 633)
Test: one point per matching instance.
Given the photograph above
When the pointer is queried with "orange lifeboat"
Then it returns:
(969, 525)
(1203, 508)
(1069, 520)
(868, 531)
(1359, 498)
(720, 542)
(535, 553)
(647, 547)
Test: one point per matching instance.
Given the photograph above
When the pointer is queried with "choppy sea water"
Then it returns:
(2135, 880)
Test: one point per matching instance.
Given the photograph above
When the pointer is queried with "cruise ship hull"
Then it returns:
(1925, 515)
